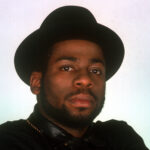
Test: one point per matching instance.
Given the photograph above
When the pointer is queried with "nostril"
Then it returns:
(89, 85)
(78, 83)
(83, 81)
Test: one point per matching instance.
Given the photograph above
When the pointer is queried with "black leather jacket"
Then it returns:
(37, 133)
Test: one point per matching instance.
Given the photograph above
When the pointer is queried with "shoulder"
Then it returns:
(119, 134)
(113, 126)
(13, 127)
(12, 124)
(17, 134)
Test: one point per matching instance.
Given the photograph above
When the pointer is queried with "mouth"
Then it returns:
(82, 101)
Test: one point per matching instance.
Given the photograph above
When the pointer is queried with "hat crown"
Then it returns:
(67, 15)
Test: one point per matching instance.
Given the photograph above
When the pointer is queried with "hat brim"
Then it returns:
(27, 54)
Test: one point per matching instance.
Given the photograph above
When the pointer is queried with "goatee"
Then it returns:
(64, 117)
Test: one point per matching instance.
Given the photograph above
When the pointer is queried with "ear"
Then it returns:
(35, 82)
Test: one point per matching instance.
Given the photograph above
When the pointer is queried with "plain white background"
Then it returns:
(127, 93)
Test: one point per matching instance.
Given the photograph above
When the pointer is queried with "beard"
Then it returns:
(63, 115)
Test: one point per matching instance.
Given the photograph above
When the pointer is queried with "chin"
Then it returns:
(71, 118)
(65, 117)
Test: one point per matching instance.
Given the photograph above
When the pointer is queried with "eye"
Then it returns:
(66, 68)
(96, 71)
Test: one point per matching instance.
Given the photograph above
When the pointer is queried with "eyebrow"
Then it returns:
(93, 60)
(66, 58)
(97, 60)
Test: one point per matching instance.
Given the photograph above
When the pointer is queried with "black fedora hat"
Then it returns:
(68, 22)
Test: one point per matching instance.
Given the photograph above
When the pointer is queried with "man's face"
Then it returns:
(74, 82)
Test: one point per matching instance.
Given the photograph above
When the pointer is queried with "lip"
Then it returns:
(82, 100)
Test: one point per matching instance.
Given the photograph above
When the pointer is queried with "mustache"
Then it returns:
(89, 92)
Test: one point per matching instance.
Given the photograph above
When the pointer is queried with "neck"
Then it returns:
(78, 132)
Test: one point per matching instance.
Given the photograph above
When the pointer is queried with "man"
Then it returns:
(67, 62)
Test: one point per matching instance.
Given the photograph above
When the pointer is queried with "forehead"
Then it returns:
(83, 49)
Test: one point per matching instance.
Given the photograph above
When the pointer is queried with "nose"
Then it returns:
(83, 80)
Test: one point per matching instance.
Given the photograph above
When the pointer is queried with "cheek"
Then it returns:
(56, 87)
(61, 83)
(100, 89)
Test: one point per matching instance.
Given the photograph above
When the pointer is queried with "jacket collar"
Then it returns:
(58, 135)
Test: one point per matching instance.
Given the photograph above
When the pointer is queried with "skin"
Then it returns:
(74, 68)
